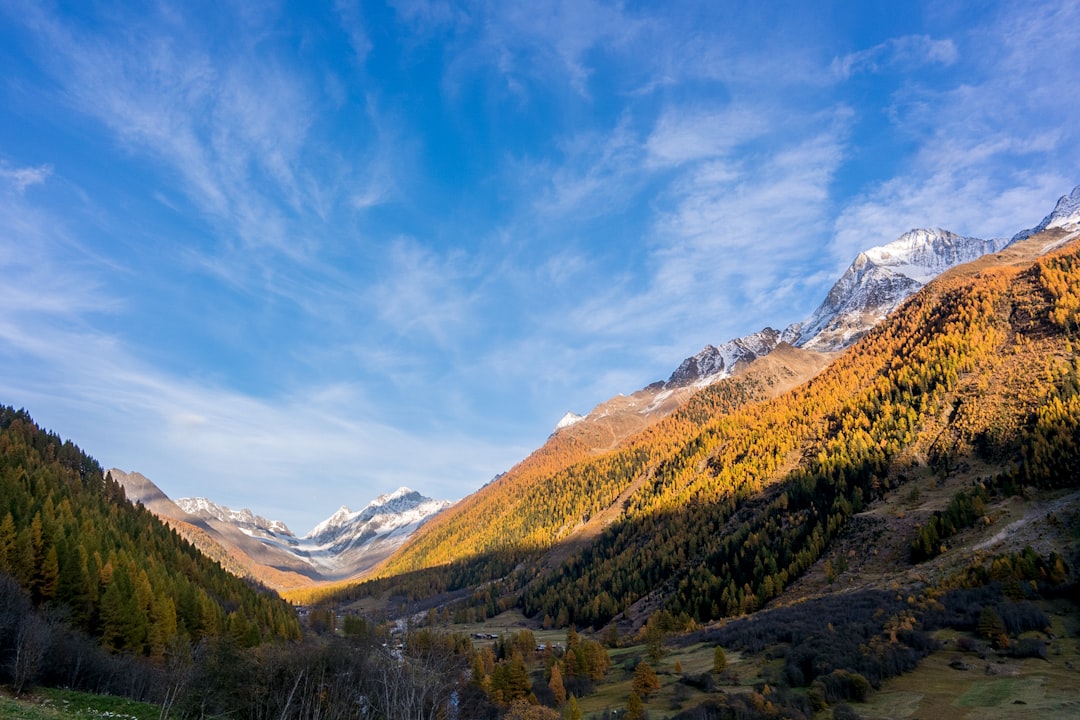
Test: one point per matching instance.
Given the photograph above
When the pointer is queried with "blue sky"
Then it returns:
(290, 257)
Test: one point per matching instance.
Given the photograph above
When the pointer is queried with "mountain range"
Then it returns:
(350, 544)
(343, 546)
(828, 511)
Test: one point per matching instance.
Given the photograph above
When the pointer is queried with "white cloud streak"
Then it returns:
(897, 54)
(989, 149)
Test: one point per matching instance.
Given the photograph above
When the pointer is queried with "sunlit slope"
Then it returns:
(981, 364)
(571, 487)
(717, 508)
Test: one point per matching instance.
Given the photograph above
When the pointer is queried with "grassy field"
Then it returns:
(994, 688)
(65, 704)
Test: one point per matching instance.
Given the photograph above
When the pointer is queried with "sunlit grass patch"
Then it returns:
(50, 704)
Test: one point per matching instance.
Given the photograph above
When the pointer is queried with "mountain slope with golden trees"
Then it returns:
(716, 509)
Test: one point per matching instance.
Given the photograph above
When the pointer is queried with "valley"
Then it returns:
(886, 529)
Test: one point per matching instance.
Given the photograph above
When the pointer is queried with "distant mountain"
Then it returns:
(1066, 215)
(201, 507)
(881, 278)
(343, 546)
(347, 540)
(875, 284)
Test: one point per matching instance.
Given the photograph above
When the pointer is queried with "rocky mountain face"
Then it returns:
(348, 540)
(715, 362)
(345, 545)
(716, 508)
(879, 280)
(1065, 215)
(249, 521)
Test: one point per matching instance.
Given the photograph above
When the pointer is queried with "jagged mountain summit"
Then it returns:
(1066, 215)
(875, 284)
(345, 545)
(393, 514)
(570, 418)
(879, 280)
(714, 362)
(209, 510)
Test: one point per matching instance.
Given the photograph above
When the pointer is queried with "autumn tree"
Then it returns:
(571, 711)
(719, 661)
(645, 682)
(556, 685)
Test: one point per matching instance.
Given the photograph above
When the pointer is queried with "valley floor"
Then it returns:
(992, 688)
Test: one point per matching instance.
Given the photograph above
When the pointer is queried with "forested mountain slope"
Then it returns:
(558, 491)
(69, 537)
(716, 509)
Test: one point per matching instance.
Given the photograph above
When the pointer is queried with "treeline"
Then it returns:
(117, 573)
(420, 675)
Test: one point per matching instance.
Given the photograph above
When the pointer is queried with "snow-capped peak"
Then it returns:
(879, 280)
(339, 518)
(570, 418)
(923, 254)
(1066, 212)
(402, 506)
(209, 510)
(717, 362)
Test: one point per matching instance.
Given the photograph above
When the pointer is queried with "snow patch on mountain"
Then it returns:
(877, 282)
(208, 510)
(345, 542)
(922, 255)
(346, 539)
(716, 362)
(1066, 214)
(401, 507)
(570, 418)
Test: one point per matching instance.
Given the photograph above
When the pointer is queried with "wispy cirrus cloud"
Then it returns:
(988, 148)
(20, 178)
(422, 293)
(900, 54)
(329, 439)
(399, 226)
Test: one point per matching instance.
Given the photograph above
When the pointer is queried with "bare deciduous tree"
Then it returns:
(31, 642)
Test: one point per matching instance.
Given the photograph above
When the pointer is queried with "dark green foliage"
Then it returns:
(1028, 648)
(849, 633)
(965, 508)
(71, 539)
(751, 706)
(843, 685)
